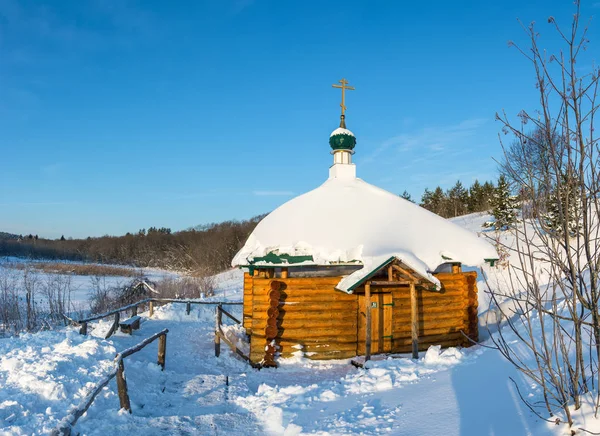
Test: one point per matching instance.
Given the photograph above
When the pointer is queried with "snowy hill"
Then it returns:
(451, 392)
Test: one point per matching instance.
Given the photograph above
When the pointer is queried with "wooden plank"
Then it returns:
(368, 321)
(388, 324)
(414, 321)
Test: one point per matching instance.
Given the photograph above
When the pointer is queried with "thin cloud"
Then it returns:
(431, 138)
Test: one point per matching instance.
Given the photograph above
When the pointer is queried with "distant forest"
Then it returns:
(208, 248)
(199, 251)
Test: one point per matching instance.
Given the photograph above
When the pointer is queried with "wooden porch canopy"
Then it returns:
(398, 274)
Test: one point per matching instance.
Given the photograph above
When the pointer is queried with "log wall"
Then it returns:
(327, 323)
(312, 314)
(442, 314)
(247, 313)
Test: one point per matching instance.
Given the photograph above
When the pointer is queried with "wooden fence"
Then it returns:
(220, 336)
(83, 323)
(66, 425)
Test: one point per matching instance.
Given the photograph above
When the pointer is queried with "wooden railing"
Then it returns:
(220, 336)
(66, 425)
(83, 323)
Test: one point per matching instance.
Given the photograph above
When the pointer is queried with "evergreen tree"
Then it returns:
(475, 197)
(487, 194)
(407, 196)
(426, 199)
(563, 208)
(457, 200)
(504, 206)
(438, 201)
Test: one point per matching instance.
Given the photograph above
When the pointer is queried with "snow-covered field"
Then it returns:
(446, 392)
(81, 285)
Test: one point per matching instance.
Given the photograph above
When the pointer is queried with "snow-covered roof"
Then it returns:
(347, 219)
(341, 131)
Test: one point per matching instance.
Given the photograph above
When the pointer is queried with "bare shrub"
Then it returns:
(10, 315)
(102, 297)
(186, 287)
(57, 289)
(554, 290)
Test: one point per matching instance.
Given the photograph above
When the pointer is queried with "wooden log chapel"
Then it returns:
(349, 269)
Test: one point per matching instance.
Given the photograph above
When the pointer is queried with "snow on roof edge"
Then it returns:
(374, 264)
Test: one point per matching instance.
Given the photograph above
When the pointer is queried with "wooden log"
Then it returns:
(404, 293)
(406, 334)
(330, 324)
(298, 336)
(292, 296)
(432, 306)
(317, 346)
(151, 309)
(430, 313)
(368, 321)
(435, 338)
(305, 307)
(162, 351)
(299, 281)
(284, 273)
(114, 327)
(414, 318)
(308, 316)
(122, 387)
(217, 331)
(270, 332)
(424, 326)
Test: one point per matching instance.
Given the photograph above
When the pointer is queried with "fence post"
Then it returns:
(188, 307)
(83, 329)
(134, 311)
(162, 350)
(217, 330)
(122, 387)
(151, 309)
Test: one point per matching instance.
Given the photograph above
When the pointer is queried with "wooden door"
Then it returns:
(381, 323)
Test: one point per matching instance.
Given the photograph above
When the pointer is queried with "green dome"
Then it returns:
(342, 139)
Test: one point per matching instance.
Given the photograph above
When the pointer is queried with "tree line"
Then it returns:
(199, 251)
(457, 200)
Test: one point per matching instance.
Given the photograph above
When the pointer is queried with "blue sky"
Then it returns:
(121, 115)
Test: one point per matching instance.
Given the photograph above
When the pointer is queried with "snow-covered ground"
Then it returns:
(446, 392)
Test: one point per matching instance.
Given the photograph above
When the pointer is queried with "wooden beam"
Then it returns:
(122, 387)
(390, 283)
(368, 321)
(390, 273)
(414, 321)
(406, 272)
(284, 273)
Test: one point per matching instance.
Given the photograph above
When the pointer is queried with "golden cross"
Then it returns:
(343, 87)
